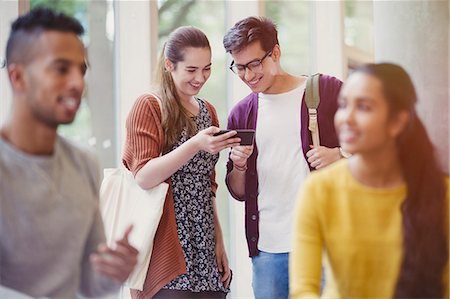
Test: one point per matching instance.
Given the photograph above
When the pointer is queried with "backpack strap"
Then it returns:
(312, 99)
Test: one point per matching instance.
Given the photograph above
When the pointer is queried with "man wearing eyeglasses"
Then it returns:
(267, 175)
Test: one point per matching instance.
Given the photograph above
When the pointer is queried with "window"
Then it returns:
(358, 31)
(292, 20)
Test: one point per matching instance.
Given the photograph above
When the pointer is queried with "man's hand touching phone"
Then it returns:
(239, 155)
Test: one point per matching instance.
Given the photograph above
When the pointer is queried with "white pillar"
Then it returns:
(134, 55)
(9, 10)
(100, 85)
(327, 38)
(415, 34)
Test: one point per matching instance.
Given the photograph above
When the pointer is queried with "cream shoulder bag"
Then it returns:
(124, 202)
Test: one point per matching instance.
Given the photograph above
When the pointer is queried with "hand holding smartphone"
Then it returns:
(247, 135)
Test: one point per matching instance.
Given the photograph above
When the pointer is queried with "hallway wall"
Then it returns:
(415, 34)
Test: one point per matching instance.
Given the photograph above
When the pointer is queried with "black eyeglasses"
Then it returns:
(254, 66)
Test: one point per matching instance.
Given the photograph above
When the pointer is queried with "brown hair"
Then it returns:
(250, 30)
(174, 116)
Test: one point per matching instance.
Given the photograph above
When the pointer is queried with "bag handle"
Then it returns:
(312, 99)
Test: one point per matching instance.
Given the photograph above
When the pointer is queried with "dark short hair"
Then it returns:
(250, 30)
(29, 26)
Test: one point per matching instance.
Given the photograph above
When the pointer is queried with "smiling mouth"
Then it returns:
(347, 136)
(253, 82)
(198, 85)
(70, 102)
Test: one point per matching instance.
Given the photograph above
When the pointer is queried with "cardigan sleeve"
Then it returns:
(232, 125)
(144, 134)
(305, 260)
(329, 93)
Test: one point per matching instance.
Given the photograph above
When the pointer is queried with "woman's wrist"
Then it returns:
(195, 144)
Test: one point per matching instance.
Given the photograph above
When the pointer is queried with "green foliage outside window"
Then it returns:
(69, 7)
(292, 20)
(358, 25)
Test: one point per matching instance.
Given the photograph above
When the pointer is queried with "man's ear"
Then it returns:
(399, 123)
(16, 74)
(168, 65)
(276, 53)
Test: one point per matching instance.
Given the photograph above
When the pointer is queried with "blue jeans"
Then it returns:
(270, 275)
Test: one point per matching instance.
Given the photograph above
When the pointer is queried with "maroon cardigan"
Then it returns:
(244, 115)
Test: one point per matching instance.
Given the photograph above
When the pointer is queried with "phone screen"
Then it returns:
(247, 135)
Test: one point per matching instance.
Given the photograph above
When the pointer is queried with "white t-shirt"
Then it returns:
(281, 166)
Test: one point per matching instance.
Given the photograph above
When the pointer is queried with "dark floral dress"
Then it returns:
(195, 216)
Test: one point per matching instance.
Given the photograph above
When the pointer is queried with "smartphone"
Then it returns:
(247, 135)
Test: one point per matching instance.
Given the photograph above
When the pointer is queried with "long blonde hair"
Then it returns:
(174, 116)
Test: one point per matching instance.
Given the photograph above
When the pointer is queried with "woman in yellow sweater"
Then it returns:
(379, 220)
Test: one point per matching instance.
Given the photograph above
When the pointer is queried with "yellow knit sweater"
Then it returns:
(358, 228)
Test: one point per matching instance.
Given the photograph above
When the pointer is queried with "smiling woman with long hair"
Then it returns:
(380, 217)
(170, 137)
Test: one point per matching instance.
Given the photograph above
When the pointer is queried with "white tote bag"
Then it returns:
(124, 202)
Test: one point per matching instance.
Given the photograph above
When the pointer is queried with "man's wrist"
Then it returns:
(240, 168)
